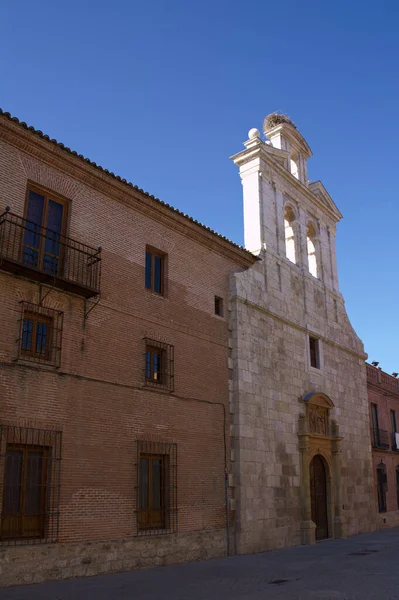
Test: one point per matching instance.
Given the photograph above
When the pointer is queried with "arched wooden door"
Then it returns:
(318, 494)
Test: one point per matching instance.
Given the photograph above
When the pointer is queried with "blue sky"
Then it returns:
(163, 92)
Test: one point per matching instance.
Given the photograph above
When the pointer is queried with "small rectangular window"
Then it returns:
(159, 365)
(314, 352)
(154, 364)
(157, 488)
(40, 334)
(218, 306)
(154, 270)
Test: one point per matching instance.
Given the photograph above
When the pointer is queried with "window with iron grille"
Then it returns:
(40, 334)
(156, 488)
(159, 365)
(30, 461)
(155, 270)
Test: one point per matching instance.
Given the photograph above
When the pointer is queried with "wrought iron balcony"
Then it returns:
(43, 255)
(380, 439)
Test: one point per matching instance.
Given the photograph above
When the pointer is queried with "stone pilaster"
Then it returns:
(308, 528)
(339, 520)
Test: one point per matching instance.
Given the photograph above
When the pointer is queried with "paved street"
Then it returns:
(360, 568)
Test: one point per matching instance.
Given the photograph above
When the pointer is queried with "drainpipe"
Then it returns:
(226, 484)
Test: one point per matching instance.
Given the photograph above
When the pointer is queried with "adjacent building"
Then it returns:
(298, 391)
(114, 420)
(383, 393)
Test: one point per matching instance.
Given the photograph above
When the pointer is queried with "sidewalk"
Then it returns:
(363, 567)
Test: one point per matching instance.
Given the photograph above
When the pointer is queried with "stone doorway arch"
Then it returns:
(319, 437)
(318, 496)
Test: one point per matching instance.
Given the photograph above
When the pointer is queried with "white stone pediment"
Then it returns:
(318, 189)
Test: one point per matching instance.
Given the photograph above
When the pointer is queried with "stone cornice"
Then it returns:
(318, 189)
(260, 150)
(91, 175)
(382, 390)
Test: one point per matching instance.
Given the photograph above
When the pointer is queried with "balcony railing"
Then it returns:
(372, 374)
(380, 439)
(44, 255)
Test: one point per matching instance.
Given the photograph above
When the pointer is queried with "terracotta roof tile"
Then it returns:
(39, 133)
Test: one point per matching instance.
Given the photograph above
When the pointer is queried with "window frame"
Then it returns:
(47, 195)
(53, 319)
(161, 375)
(19, 524)
(382, 488)
(375, 425)
(36, 319)
(219, 306)
(316, 352)
(397, 484)
(144, 512)
(166, 353)
(375, 421)
(394, 425)
(21, 517)
(155, 253)
(394, 428)
(168, 512)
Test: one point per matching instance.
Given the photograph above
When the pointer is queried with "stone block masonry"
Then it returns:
(34, 564)
(294, 408)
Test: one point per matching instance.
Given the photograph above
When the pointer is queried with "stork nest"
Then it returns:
(275, 119)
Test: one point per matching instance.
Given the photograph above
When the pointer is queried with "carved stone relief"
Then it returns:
(317, 420)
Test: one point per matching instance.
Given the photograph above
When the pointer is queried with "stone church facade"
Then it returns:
(298, 395)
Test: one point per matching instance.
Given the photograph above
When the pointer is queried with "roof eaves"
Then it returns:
(44, 136)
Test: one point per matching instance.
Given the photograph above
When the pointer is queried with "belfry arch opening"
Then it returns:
(294, 167)
(289, 232)
(311, 241)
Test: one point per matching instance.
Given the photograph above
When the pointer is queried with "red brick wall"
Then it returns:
(97, 398)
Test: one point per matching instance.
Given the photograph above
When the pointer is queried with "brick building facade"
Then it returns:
(114, 443)
(383, 393)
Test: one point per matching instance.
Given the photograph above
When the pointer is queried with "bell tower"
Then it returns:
(298, 388)
(290, 218)
(283, 134)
